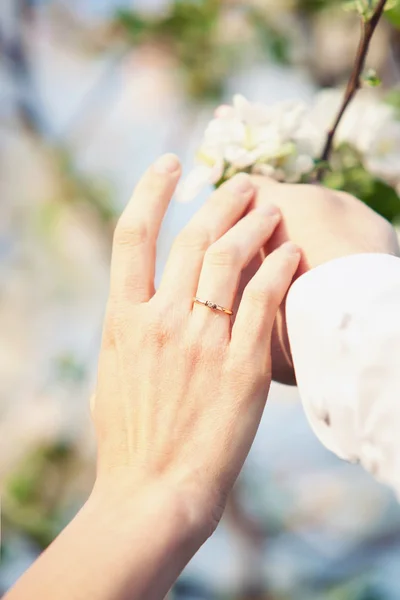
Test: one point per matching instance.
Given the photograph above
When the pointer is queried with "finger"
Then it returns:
(225, 260)
(262, 298)
(223, 209)
(135, 238)
(264, 180)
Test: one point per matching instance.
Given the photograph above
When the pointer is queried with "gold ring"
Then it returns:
(213, 306)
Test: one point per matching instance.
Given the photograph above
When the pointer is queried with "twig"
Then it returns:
(368, 27)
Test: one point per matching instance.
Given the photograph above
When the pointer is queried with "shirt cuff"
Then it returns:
(343, 322)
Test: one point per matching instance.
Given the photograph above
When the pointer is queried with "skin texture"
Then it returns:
(180, 394)
(182, 388)
(325, 225)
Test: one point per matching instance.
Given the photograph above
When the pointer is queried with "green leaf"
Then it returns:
(393, 14)
(366, 8)
(393, 98)
(312, 6)
(371, 78)
(377, 194)
(272, 41)
(133, 23)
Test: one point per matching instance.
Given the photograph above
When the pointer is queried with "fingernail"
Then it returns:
(240, 184)
(270, 210)
(291, 248)
(168, 163)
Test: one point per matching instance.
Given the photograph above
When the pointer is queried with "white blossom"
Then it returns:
(383, 158)
(369, 125)
(284, 141)
(197, 179)
(278, 140)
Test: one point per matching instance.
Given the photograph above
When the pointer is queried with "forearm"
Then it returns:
(117, 548)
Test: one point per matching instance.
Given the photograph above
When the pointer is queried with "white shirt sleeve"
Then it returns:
(343, 322)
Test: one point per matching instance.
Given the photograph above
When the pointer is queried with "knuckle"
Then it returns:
(131, 234)
(313, 195)
(192, 238)
(315, 192)
(219, 255)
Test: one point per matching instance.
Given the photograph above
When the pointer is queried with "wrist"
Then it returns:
(190, 517)
(126, 542)
(150, 528)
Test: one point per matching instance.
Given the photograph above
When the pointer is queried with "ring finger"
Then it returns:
(224, 262)
(223, 209)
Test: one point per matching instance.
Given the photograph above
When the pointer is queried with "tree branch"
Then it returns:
(368, 28)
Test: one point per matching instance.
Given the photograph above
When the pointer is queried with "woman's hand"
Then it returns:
(179, 397)
(180, 389)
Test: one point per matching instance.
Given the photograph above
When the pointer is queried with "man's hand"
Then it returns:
(325, 225)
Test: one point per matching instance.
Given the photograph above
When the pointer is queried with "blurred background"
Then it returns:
(91, 91)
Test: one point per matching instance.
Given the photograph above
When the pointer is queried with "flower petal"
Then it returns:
(192, 185)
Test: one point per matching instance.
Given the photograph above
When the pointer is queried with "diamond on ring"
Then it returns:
(213, 306)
